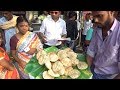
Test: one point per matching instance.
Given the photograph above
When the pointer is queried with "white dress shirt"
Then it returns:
(87, 25)
(53, 30)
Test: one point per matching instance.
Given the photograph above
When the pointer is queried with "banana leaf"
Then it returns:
(31, 65)
(36, 70)
(51, 49)
(81, 57)
(41, 72)
(39, 77)
(85, 74)
(33, 59)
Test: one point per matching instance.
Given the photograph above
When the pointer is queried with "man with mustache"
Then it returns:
(53, 28)
(103, 54)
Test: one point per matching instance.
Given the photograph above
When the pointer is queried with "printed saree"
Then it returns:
(4, 73)
(29, 40)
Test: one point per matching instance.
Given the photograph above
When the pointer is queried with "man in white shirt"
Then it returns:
(53, 28)
(87, 25)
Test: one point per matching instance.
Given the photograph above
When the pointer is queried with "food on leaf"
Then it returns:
(47, 76)
(82, 65)
(74, 73)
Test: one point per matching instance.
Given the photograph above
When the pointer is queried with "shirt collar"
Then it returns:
(113, 26)
(53, 20)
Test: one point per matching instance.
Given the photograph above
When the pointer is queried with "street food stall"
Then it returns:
(54, 63)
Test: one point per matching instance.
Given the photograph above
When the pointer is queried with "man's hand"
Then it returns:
(89, 60)
(44, 39)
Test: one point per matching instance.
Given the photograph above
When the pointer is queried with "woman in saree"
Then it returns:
(7, 69)
(24, 45)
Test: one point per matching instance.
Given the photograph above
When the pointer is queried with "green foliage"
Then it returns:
(34, 68)
(51, 49)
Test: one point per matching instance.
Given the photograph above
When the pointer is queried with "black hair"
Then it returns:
(21, 19)
(71, 14)
(93, 21)
(89, 13)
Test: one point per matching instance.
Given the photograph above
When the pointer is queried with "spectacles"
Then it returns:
(54, 12)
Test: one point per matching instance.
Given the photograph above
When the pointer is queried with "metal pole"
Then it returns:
(80, 18)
